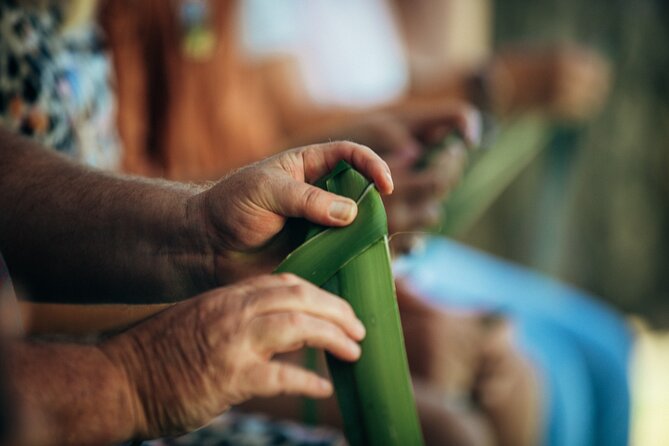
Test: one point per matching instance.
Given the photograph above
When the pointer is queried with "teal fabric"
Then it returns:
(581, 347)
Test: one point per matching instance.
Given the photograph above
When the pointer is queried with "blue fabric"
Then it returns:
(580, 346)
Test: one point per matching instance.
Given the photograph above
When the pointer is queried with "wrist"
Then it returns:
(221, 264)
(199, 244)
(123, 364)
(182, 250)
(68, 394)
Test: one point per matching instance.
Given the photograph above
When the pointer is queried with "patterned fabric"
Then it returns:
(234, 428)
(54, 83)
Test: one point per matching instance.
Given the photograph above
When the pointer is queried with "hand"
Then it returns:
(508, 389)
(444, 349)
(196, 359)
(568, 82)
(417, 202)
(401, 137)
(401, 134)
(246, 209)
(472, 359)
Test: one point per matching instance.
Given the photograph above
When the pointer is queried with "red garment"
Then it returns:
(181, 117)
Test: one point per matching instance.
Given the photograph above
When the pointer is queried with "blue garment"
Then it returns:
(580, 346)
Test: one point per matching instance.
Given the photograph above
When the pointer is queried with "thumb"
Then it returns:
(299, 199)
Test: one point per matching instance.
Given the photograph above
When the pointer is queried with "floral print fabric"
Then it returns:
(54, 83)
(235, 428)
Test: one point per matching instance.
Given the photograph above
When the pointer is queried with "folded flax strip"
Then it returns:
(374, 394)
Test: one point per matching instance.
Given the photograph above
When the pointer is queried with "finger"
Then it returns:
(276, 378)
(441, 175)
(460, 116)
(451, 163)
(394, 139)
(217, 300)
(423, 216)
(297, 199)
(288, 332)
(320, 159)
(308, 298)
(396, 162)
(404, 216)
(423, 185)
(264, 281)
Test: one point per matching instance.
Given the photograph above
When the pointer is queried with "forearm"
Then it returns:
(68, 232)
(68, 394)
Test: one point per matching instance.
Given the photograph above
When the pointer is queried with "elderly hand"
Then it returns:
(245, 210)
(196, 359)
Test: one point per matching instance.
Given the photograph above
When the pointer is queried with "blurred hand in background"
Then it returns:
(569, 82)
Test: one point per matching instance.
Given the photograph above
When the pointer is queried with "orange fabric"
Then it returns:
(179, 117)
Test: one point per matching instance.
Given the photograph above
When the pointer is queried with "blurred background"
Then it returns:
(549, 241)
(589, 205)
(573, 181)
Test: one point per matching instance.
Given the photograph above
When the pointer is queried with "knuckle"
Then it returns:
(300, 291)
(283, 379)
(331, 333)
(310, 197)
(343, 308)
(205, 307)
(295, 319)
(249, 309)
(286, 278)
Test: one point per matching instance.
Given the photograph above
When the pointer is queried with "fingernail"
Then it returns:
(390, 181)
(355, 348)
(342, 210)
(325, 385)
(360, 330)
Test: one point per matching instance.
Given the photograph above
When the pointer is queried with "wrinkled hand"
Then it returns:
(196, 359)
(569, 82)
(246, 209)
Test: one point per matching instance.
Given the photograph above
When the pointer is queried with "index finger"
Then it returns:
(319, 159)
(461, 116)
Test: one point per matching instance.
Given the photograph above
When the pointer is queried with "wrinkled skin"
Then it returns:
(194, 360)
